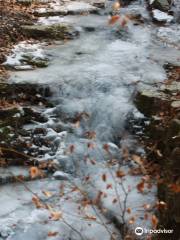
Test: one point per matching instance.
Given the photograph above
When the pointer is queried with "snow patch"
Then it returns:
(161, 16)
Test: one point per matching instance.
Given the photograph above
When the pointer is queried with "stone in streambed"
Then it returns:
(70, 8)
(56, 31)
(59, 175)
(148, 101)
(163, 5)
(35, 61)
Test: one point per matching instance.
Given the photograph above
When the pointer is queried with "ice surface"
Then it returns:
(93, 79)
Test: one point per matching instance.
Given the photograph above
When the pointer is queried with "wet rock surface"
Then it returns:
(163, 143)
(56, 32)
(21, 105)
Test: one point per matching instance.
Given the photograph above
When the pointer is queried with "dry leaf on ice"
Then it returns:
(55, 216)
(34, 172)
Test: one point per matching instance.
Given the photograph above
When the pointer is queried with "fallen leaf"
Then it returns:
(120, 174)
(52, 234)
(154, 221)
(175, 187)
(37, 202)
(140, 186)
(109, 186)
(90, 217)
(34, 172)
(47, 193)
(128, 210)
(55, 216)
(132, 220)
(104, 178)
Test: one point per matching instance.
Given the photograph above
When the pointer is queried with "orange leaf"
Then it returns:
(34, 172)
(154, 221)
(114, 19)
(37, 202)
(47, 193)
(128, 210)
(55, 216)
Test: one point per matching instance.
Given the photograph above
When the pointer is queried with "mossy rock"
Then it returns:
(55, 31)
(37, 62)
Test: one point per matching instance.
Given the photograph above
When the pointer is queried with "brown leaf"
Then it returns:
(37, 202)
(140, 186)
(114, 200)
(71, 148)
(175, 187)
(132, 220)
(52, 234)
(109, 186)
(104, 178)
(106, 147)
(120, 174)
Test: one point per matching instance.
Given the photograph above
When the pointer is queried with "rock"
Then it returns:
(125, 2)
(163, 5)
(98, 3)
(56, 31)
(29, 2)
(175, 156)
(174, 128)
(73, 7)
(23, 68)
(59, 175)
(25, 2)
(176, 104)
(35, 61)
(80, 8)
(148, 101)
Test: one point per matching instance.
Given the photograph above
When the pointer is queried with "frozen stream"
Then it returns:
(95, 77)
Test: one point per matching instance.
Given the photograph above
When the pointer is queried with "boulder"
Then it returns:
(56, 31)
(163, 5)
